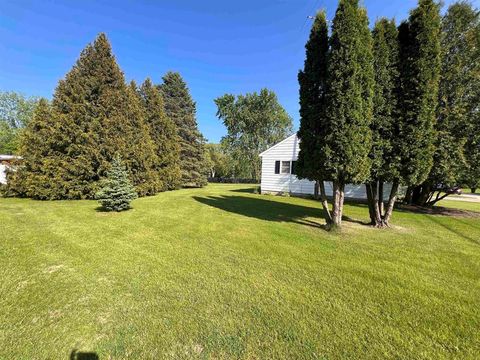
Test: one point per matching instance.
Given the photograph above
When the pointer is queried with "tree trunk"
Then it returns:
(338, 197)
(381, 205)
(374, 204)
(323, 196)
(409, 195)
(371, 208)
(391, 203)
(376, 208)
(315, 190)
(474, 190)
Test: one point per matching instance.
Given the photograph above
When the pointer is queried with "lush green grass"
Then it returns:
(223, 273)
(462, 205)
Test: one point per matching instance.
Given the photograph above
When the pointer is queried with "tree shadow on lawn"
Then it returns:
(76, 355)
(269, 210)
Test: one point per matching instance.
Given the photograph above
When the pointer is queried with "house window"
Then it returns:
(285, 167)
(277, 167)
(294, 165)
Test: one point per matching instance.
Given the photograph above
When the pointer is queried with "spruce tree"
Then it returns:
(164, 134)
(116, 190)
(312, 80)
(385, 123)
(94, 116)
(419, 77)
(180, 107)
(349, 102)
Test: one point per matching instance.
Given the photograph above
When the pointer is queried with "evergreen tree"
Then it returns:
(94, 115)
(459, 72)
(419, 76)
(312, 80)
(180, 107)
(460, 85)
(164, 134)
(34, 175)
(116, 191)
(349, 102)
(385, 124)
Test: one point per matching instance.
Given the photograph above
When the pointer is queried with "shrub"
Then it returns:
(117, 191)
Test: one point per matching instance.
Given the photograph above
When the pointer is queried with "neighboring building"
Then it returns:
(278, 173)
(5, 161)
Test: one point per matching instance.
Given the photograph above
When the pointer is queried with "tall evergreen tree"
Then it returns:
(458, 102)
(312, 80)
(180, 107)
(35, 173)
(94, 116)
(349, 102)
(164, 134)
(419, 75)
(460, 85)
(385, 124)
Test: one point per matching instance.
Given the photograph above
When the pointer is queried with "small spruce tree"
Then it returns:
(116, 191)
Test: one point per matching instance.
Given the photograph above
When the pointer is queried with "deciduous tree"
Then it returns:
(254, 122)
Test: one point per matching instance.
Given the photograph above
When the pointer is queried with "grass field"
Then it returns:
(223, 273)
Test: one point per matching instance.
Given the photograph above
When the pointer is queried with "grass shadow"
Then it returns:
(245, 190)
(453, 230)
(263, 209)
(76, 355)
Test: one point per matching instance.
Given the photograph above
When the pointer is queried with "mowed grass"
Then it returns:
(223, 273)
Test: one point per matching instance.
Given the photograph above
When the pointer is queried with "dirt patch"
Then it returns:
(440, 210)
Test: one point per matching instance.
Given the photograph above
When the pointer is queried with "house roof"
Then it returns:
(277, 144)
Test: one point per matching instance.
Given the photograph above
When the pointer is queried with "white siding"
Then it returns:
(3, 174)
(288, 150)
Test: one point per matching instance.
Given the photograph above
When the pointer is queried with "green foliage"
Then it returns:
(419, 75)
(16, 112)
(164, 134)
(349, 96)
(94, 115)
(460, 88)
(180, 107)
(35, 174)
(312, 82)
(385, 123)
(218, 161)
(254, 122)
(116, 190)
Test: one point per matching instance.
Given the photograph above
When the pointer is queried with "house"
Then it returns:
(5, 161)
(278, 173)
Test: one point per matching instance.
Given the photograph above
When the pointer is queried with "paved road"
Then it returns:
(465, 197)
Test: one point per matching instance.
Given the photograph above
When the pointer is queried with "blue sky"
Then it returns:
(218, 46)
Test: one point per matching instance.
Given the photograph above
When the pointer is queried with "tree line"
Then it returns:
(394, 105)
(69, 144)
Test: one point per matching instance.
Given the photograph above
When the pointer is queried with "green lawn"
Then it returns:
(223, 273)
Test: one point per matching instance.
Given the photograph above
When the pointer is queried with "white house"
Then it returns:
(278, 173)
(5, 161)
